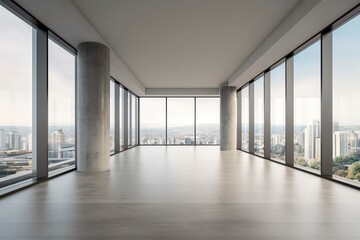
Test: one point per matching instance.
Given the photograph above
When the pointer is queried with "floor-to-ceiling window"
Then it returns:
(38, 77)
(207, 121)
(129, 117)
(277, 120)
(170, 120)
(16, 64)
(245, 118)
(112, 116)
(346, 100)
(61, 102)
(153, 121)
(133, 119)
(307, 84)
(121, 117)
(124, 117)
(259, 116)
(180, 121)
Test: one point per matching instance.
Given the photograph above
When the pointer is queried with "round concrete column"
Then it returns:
(93, 107)
(227, 118)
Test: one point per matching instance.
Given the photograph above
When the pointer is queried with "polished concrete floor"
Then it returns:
(184, 193)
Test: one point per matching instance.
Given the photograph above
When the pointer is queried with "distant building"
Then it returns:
(276, 139)
(340, 144)
(2, 139)
(312, 132)
(317, 148)
(56, 140)
(189, 140)
(14, 140)
(30, 141)
(300, 138)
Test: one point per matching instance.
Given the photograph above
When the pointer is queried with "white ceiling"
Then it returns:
(184, 43)
(166, 47)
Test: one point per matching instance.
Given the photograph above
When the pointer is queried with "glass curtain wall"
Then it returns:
(342, 40)
(153, 121)
(112, 116)
(16, 64)
(259, 116)
(133, 119)
(117, 99)
(277, 109)
(245, 118)
(174, 124)
(346, 100)
(61, 104)
(307, 90)
(180, 121)
(207, 121)
(137, 121)
(129, 119)
(121, 118)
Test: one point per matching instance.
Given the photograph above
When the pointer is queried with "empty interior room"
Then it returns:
(179, 119)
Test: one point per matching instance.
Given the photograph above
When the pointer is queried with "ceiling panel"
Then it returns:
(184, 43)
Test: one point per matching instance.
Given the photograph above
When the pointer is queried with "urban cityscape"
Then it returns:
(307, 147)
(206, 134)
(16, 149)
(16, 146)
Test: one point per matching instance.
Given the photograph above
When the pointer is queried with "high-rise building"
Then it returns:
(30, 141)
(317, 148)
(14, 140)
(56, 140)
(300, 138)
(340, 144)
(2, 139)
(276, 139)
(312, 132)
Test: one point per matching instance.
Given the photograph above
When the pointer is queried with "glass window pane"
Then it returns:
(259, 116)
(137, 121)
(307, 83)
(245, 118)
(121, 117)
(207, 121)
(133, 120)
(152, 121)
(61, 90)
(112, 116)
(346, 100)
(180, 121)
(277, 119)
(129, 118)
(15, 96)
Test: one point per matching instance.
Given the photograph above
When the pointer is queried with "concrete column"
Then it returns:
(93, 107)
(227, 118)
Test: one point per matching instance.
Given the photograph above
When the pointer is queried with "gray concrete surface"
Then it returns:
(227, 118)
(93, 107)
